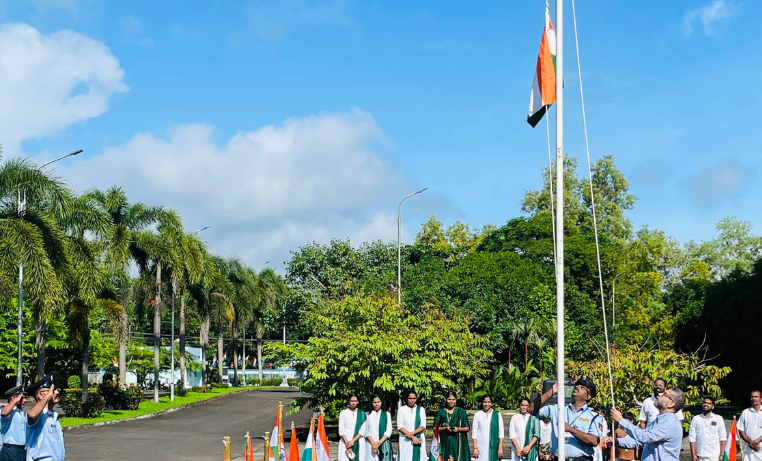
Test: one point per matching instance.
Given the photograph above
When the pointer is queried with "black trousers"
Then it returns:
(13, 453)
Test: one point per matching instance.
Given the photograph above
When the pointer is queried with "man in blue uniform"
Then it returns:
(44, 434)
(583, 431)
(13, 426)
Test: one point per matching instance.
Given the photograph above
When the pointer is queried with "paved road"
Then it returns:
(192, 434)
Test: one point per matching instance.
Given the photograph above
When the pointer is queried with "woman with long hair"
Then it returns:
(411, 423)
(489, 432)
(524, 432)
(377, 431)
(351, 420)
(451, 422)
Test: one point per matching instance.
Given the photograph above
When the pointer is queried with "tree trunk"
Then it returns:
(123, 360)
(41, 334)
(219, 355)
(259, 358)
(234, 349)
(182, 339)
(203, 339)
(85, 362)
(157, 335)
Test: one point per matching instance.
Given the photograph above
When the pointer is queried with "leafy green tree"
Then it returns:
(635, 369)
(736, 248)
(370, 344)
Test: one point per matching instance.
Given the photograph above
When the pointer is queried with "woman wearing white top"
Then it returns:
(411, 434)
(349, 431)
(377, 431)
(488, 446)
(520, 447)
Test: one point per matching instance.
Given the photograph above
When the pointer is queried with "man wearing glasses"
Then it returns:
(662, 438)
(648, 411)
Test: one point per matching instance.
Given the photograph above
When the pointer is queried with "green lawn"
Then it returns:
(147, 406)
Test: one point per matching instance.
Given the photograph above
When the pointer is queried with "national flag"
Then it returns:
(730, 445)
(276, 439)
(434, 453)
(293, 453)
(116, 364)
(309, 450)
(214, 361)
(321, 441)
(544, 85)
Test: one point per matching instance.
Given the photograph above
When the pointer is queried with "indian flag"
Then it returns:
(277, 450)
(434, 452)
(321, 441)
(309, 448)
(544, 85)
(730, 445)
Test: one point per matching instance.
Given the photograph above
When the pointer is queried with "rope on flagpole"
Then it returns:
(592, 202)
(550, 183)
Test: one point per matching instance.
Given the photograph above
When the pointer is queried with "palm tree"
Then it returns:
(158, 250)
(243, 298)
(271, 290)
(30, 237)
(120, 245)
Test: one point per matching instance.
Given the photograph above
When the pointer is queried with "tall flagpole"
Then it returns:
(560, 225)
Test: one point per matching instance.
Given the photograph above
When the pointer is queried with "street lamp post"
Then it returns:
(399, 247)
(172, 344)
(21, 206)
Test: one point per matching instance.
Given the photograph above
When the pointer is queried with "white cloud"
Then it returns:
(264, 192)
(718, 183)
(710, 15)
(275, 19)
(48, 82)
(132, 31)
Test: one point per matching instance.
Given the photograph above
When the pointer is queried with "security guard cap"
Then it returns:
(588, 383)
(14, 390)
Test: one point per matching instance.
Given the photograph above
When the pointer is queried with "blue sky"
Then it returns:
(283, 122)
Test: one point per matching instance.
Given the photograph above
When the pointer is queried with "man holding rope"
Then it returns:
(582, 431)
(663, 437)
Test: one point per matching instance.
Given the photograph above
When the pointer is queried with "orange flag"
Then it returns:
(293, 452)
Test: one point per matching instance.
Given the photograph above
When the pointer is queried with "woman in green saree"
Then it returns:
(452, 424)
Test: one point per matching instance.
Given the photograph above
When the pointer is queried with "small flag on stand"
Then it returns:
(434, 453)
(321, 441)
(309, 449)
(730, 446)
(544, 85)
(293, 453)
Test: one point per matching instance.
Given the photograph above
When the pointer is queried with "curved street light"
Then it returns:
(399, 247)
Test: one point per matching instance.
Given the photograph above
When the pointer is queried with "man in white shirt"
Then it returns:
(707, 435)
(750, 428)
(648, 411)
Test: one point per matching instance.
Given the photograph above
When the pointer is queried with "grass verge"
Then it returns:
(148, 406)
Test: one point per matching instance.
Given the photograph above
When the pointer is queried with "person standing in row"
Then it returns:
(351, 445)
(13, 426)
(489, 432)
(452, 424)
(707, 434)
(582, 432)
(750, 428)
(44, 434)
(546, 432)
(524, 432)
(377, 432)
(663, 437)
(411, 422)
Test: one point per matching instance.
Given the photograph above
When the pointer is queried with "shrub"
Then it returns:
(201, 389)
(219, 386)
(180, 389)
(108, 377)
(292, 382)
(133, 395)
(74, 382)
(116, 398)
(71, 402)
(93, 407)
(272, 381)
